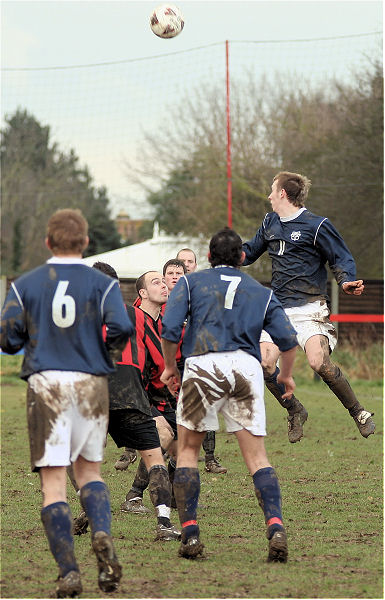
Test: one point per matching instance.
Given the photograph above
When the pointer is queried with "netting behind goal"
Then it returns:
(102, 111)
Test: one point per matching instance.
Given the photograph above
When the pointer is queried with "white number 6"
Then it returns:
(234, 282)
(63, 304)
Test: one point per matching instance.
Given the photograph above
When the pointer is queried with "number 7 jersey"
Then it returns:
(226, 310)
(56, 312)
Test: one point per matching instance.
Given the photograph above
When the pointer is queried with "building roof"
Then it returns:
(130, 262)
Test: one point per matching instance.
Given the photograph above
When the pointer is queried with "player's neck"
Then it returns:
(61, 255)
(151, 308)
(287, 210)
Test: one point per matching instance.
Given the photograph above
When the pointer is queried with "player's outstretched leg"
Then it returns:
(160, 493)
(269, 498)
(297, 413)
(134, 499)
(339, 385)
(95, 500)
(212, 464)
(57, 521)
(187, 489)
(128, 457)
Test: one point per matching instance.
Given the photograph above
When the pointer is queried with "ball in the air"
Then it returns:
(166, 21)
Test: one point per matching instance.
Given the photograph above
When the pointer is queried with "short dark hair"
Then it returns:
(140, 282)
(105, 268)
(174, 262)
(295, 185)
(225, 248)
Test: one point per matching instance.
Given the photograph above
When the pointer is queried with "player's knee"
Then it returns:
(319, 363)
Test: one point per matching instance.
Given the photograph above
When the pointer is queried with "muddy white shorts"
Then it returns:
(227, 382)
(67, 416)
(308, 320)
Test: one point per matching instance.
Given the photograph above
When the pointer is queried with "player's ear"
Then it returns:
(46, 241)
(209, 255)
(86, 242)
(243, 256)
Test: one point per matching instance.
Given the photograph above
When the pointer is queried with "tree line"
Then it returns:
(37, 179)
(333, 134)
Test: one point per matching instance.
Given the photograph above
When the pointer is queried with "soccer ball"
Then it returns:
(167, 21)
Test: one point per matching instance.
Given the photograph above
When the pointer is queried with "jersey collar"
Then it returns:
(61, 260)
(227, 266)
(292, 217)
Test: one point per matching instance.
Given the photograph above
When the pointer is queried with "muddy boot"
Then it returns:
(339, 385)
(134, 504)
(128, 457)
(69, 586)
(80, 524)
(278, 547)
(297, 412)
(295, 421)
(167, 534)
(192, 548)
(109, 568)
(212, 465)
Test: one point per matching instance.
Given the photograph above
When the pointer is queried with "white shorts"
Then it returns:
(308, 320)
(227, 382)
(67, 417)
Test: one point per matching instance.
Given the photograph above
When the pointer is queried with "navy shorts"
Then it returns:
(131, 428)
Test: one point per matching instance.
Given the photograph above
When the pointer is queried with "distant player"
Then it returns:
(226, 311)
(56, 312)
(212, 464)
(299, 244)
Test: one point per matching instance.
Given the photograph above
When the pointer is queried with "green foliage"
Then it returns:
(332, 489)
(37, 179)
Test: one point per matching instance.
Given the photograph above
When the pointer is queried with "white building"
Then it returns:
(131, 262)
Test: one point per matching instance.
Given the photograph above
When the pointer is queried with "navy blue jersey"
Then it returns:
(299, 247)
(226, 310)
(56, 312)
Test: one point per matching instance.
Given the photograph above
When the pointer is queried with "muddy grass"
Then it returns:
(332, 493)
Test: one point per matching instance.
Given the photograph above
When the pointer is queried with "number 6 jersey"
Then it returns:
(225, 310)
(56, 312)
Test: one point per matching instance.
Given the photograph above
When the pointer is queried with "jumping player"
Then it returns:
(227, 310)
(299, 244)
(56, 312)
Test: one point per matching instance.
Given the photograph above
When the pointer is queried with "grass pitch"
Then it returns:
(332, 493)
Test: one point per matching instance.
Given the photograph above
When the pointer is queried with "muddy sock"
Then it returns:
(159, 488)
(187, 489)
(268, 493)
(339, 385)
(291, 404)
(95, 500)
(140, 482)
(208, 445)
(57, 521)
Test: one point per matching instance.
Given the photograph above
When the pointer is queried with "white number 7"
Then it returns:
(233, 284)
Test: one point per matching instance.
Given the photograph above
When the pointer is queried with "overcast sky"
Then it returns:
(63, 33)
